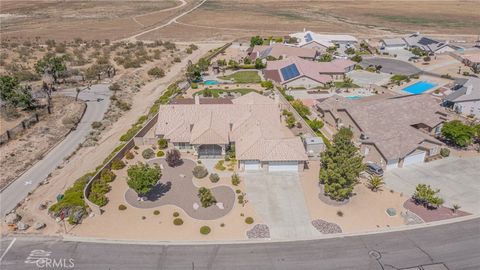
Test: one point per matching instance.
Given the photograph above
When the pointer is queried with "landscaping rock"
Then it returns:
(220, 206)
(39, 225)
(259, 231)
(326, 227)
(12, 218)
(42, 206)
(22, 226)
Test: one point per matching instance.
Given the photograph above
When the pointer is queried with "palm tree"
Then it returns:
(375, 182)
(455, 208)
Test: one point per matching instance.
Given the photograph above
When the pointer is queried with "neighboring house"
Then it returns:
(320, 42)
(251, 125)
(417, 40)
(295, 72)
(465, 98)
(281, 51)
(391, 132)
(392, 43)
(472, 60)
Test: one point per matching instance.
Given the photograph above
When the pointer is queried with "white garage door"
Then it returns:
(415, 158)
(283, 166)
(391, 164)
(252, 165)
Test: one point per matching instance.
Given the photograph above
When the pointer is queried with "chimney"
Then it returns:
(191, 127)
(231, 126)
(197, 100)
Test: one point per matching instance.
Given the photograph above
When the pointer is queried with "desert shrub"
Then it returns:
(122, 105)
(339, 213)
(107, 176)
(176, 214)
(173, 158)
(160, 153)
(178, 221)
(200, 172)
(206, 197)
(162, 143)
(238, 191)
(156, 212)
(235, 179)
(148, 153)
(98, 198)
(156, 72)
(117, 164)
(220, 165)
(115, 87)
(205, 230)
(129, 155)
(249, 220)
(214, 178)
(445, 152)
(122, 207)
(96, 124)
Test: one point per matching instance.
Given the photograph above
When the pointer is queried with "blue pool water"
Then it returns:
(354, 97)
(419, 87)
(210, 82)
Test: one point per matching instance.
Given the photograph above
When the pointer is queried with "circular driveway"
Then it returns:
(392, 66)
(176, 188)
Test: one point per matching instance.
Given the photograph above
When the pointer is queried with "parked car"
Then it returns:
(374, 169)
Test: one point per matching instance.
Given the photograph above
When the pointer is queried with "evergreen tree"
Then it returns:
(341, 166)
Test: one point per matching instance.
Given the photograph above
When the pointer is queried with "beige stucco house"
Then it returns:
(250, 125)
(392, 132)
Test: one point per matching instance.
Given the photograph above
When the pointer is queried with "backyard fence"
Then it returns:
(25, 124)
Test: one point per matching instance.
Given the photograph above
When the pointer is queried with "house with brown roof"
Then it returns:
(281, 51)
(295, 72)
(392, 132)
(250, 124)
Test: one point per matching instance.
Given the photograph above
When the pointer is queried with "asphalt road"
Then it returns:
(27, 182)
(451, 246)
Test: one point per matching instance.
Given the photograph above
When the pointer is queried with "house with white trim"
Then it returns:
(320, 42)
(465, 98)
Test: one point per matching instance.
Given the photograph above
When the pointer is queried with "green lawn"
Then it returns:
(216, 92)
(345, 85)
(243, 77)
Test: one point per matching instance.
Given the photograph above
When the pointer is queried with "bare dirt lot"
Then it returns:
(228, 19)
(19, 154)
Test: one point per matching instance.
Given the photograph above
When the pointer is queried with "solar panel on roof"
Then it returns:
(308, 37)
(289, 72)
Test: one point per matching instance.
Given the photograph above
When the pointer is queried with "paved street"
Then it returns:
(27, 182)
(458, 180)
(391, 65)
(452, 246)
(278, 199)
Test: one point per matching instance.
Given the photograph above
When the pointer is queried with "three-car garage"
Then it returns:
(271, 166)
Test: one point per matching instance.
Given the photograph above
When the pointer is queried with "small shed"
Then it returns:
(313, 145)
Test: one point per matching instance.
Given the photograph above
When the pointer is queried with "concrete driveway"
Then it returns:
(458, 180)
(279, 200)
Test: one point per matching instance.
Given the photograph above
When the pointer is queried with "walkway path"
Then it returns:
(29, 181)
(174, 189)
(134, 18)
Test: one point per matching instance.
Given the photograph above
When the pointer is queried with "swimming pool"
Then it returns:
(354, 97)
(419, 87)
(210, 82)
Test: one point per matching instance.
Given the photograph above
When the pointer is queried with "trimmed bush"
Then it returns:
(148, 153)
(220, 165)
(107, 176)
(156, 212)
(235, 179)
(162, 143)
(173, 157)
(98, 198)
(214, 178)
(122, 207)
(249, 220)
(176, 214)
(445, 152)
(200, 172)
(206, 197)
(160, 153)
(205, 230)
(117, 164)
(129, 155)
(178, 221)
(339, 213)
